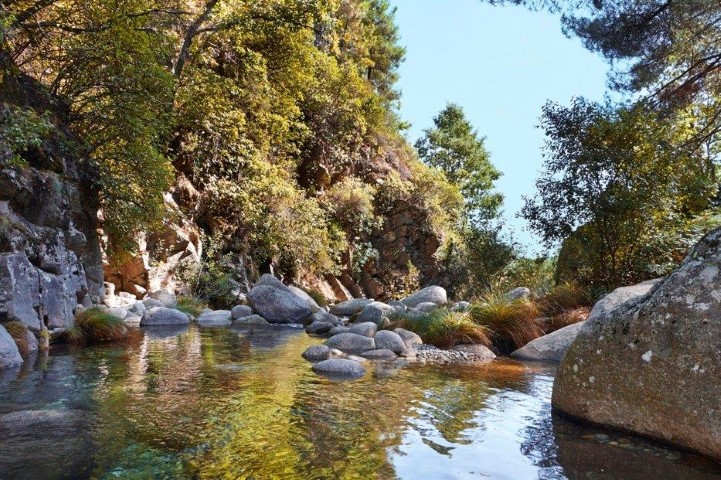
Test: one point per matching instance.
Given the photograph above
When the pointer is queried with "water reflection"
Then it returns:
(240, 403)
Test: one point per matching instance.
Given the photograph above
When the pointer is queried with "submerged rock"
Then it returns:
(164, 316)
(339, 368)
(215, 318)
(379, 354)
(551, 347)
(652, 366)
(433, 294)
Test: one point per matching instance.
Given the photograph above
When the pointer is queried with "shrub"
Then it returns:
(318, 297)
(512, 322)
(562, 298)
(19, 331)
(443, 328)
(95, 325)
(190, 305)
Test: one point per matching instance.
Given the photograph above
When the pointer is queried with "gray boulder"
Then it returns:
(326, 317)
(151, 302)
(367, 329)
(300, 293)
(385, 339)
(316, 353)
(215, 318)
(137, 308)
(278, 305)
(426, 307)
(132, 320)
(163, 316)
(119, 312)
(477, 350)
(166, 298)
(240, 311)
(318, 328)
(252, 320)
(379, 354)
(411, 339)
(551, 347)
(337, 330)
(652, 365)
(9, 354)
(397, 305)
(433, 294)
(520, 293)
(350, 307)
(375, 312)
(339, 368)
(271, 281)
(620, 296)
(351, 342)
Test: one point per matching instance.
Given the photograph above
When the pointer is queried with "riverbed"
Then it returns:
(242, 403)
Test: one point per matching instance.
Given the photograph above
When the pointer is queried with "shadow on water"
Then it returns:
(242, 403)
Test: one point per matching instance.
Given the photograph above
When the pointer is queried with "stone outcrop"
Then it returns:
(652, 365)
(551, 347)
(50, 258)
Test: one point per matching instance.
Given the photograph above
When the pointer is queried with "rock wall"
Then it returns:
(50, 259)
(652, 365)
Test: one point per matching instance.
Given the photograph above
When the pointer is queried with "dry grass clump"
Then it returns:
(563, 298)
(19, 332)
(443, 328)
(95, 325)
(569, 317)
(191, 305)
(512, 322)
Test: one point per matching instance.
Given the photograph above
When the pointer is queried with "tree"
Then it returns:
(617, 183)
(455, 148)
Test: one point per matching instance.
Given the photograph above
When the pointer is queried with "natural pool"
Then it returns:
(231, 403)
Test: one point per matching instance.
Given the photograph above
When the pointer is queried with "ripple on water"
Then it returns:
(239, 403)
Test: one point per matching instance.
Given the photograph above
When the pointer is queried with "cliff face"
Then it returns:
(50, 259)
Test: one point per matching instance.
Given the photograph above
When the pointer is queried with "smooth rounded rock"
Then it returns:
(551, 347)
(9, 353)
(375, 312)
(350, 307)
(166, 298)
(433, 294)
(337, 330)
(278, 305)
(339, 368)
(379, 354)
(520, 293)
(164, 316)
(477, 350)
(351, 342)
(316, 353)
(151, 302)
(367, 329)
(302, 294)
(411, 339)
(426, 307)
(324, 316)
(215, 318)
(240, 311)
(318, 328)
(385, 339)
(461, 307)
(256, 320)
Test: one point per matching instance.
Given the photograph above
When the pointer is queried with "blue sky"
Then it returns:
(500, 64)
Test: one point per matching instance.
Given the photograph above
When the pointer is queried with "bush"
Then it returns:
(95, 325)
(318, 297)
(512, 322)
(19, 331)
(562, 298)
(191, 305)
(443, 328)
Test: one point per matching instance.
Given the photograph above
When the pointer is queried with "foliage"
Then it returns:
(537, 274)
(615, 183)
(442, 328)
(19, 332)
(454, 148)
(317, 297)
(563, 297)
(212, 281)
(95, 325)
(22, 129)
(190, 305)
(511, 321)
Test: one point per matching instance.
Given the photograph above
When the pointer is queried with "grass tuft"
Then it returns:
(19, 331)
(569, 317)
(191, 305)
(513, 322)
(563, 298)
(95, 325)
(442, 328)
(318, 297)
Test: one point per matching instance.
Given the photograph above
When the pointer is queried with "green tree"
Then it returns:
(454, 147)
(616, 182)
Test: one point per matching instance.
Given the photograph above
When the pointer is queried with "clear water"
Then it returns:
(225, 403)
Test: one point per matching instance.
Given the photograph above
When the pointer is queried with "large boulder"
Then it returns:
(241, 311)
(325, 317)
(375, 312)
(367, 329)
(215, 318)
(620, 296)
(278, 305)
(351, 342)
(350, 307)
(316, 353)
(652, 366)
(339, 368)
(166, 298)
(520, 293)
(163, 316)
(305, 297)
(9, 354)
(433, 294)
(411, 339)
(387, 340)
(551, 347)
